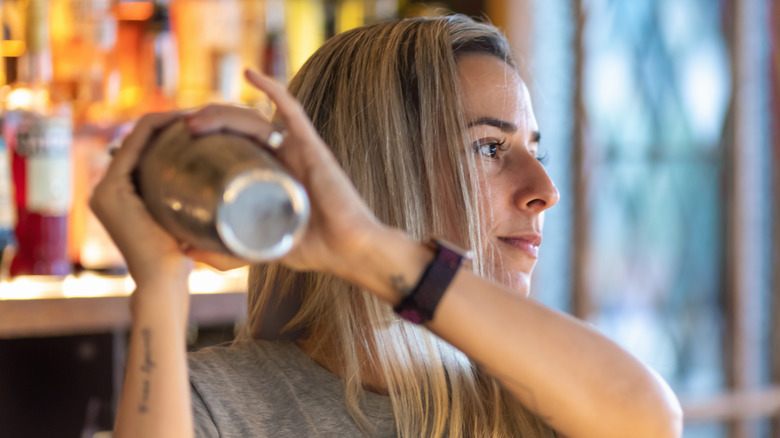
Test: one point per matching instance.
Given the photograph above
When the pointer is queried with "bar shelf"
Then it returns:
(90, 303)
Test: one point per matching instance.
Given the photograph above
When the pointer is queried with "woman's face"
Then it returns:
(515, 188)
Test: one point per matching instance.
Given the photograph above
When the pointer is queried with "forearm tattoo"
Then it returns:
(146, 369)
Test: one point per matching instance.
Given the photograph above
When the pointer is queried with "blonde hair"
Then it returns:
(385, 98)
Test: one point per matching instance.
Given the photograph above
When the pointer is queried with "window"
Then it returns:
(655, 114)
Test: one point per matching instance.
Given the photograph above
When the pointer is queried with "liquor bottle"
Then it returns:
(7, 213)
(159, 63)
(349, 14)
(69, 51)
(210, 50)
(38, 132)
(124, 92)
(95, 128)
(275, 60)
(306, 29)
(252, 51)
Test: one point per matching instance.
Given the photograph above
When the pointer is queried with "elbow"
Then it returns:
(670, 421)
(671, 413)
(647, 408)
(659, 420)
(649, 420)
(663, 414)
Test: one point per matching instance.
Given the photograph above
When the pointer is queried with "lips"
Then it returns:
(528, 244)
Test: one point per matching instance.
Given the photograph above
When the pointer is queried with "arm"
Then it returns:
(579, 381)
(155, 400)
(558, 367)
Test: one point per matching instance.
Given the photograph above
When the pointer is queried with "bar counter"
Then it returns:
(89, 303)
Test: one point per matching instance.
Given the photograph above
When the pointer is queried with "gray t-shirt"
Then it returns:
(273, 389)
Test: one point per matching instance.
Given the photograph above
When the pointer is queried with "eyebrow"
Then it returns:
(504, 126)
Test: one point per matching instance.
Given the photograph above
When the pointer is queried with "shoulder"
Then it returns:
(242, 389)
(236, 351)
(253, 370)
(243, 360)
(253, 387)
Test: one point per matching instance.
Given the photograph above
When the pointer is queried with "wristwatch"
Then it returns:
(419, 305)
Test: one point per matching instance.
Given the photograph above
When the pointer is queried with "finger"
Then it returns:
(127, 155)
(219, 118)
(287, 106)
(299, 127)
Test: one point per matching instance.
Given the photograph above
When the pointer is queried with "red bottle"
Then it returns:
(38, 132)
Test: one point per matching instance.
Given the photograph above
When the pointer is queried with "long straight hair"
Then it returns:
(386, 99)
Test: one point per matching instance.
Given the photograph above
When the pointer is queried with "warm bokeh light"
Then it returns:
(134, 10)
(351, 15)
(90, 285)
(13, 48)
(305, 21)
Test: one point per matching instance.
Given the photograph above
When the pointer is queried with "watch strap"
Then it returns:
(420, 304)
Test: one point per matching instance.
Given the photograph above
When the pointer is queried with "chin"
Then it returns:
(513, 270)
(518, 281)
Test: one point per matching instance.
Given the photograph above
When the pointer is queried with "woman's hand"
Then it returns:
(341, 230)
(152, 255)
(340, 221)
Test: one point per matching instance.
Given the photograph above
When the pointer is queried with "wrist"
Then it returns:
(388, 263)
(165, 273)
(163, 297)
(419, 305)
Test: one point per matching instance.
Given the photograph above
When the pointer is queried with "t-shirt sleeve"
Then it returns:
(204, 423)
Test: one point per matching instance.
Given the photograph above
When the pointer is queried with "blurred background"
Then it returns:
(657, 117)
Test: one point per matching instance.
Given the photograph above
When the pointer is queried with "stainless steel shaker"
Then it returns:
(222, 193)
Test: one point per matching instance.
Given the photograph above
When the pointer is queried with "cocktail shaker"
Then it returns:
(221, 192)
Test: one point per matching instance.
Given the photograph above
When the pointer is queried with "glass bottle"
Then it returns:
(96, 125)
(214, 39)
(125, 88)
(159, 63)
(7, 212)
(38, 132)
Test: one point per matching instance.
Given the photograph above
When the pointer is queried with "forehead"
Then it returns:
(490, 87)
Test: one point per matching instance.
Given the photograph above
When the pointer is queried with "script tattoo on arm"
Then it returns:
(146, 370)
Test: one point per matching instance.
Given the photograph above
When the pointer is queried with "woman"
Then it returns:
(399, 131)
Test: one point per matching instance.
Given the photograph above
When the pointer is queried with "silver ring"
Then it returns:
(275, 140)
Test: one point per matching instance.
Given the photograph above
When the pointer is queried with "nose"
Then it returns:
(535, 190)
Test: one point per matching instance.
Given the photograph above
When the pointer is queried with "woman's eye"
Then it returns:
(489, 148)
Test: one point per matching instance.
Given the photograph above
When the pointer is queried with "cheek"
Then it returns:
(494, 199)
